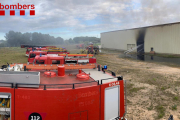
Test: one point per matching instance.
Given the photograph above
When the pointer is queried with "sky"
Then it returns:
(72, 18)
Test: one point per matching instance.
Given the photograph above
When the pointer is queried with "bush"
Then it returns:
(174, 107)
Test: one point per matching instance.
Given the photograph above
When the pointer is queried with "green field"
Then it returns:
(12, 55)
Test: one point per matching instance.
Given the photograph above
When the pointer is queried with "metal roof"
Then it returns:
(144, 27)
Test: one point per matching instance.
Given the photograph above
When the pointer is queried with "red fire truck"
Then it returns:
(34, 49)
(61, 92)
(32, 54)
(65, 59)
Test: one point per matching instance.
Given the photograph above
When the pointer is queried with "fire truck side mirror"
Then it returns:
(103, 70)
(99, 69)
(113, 73)
(120, 77)
(24, 68)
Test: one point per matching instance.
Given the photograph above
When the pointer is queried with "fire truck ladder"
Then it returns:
(77, 55)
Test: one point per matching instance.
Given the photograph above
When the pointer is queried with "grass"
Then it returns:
(128, 102)
(163, 88)
(174, 107)
(176, 98)
(177, 83)
(12, 55)
(170, 56)
(150, 107)
(131, 89)
(165, 55)
(129, 85)
(161, 111)
(136, 89)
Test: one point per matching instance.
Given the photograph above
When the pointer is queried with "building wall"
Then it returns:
(118, 39)
(162, 38)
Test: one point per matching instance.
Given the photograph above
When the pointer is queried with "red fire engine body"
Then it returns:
(64, 59)
(32, 54)
(37, 49)
(45, 48)
(62, 94)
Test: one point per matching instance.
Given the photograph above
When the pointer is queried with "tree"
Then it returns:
(17, 38)
(59, 40)
(3, 43)
(13, 38)
(66, 42)
(71, 41)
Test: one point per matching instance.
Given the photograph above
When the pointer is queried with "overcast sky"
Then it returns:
(71, 18)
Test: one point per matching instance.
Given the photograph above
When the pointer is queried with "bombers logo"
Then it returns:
(17, 6)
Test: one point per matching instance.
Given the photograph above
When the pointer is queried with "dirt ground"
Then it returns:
(152, 88)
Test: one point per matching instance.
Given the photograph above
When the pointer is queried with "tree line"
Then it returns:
(15, 39)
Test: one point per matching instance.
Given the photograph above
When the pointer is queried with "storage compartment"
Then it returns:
(71, 61)
(83, 61)
(24, 78)
(112, 105)
(5, 106)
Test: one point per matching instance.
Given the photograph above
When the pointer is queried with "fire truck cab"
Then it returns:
(36, 49)
(28, 50)
(32, 55)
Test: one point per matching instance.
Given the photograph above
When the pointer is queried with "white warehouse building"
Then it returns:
(163, 38)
